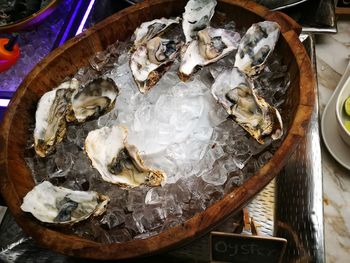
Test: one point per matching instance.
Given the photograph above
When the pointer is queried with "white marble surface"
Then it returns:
(333, 54)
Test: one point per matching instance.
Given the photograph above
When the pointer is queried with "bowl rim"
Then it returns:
(200, 223)
(339, 108)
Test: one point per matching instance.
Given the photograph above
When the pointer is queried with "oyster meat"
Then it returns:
(196, 17)
(94, 99)
(212, 45)
(149, 62)
(235, 92)
(50, 123)
(148, 30)
(255, 47)
(59, 205)
(117, 161)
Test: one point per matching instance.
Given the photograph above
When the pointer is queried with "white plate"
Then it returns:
(331, 137)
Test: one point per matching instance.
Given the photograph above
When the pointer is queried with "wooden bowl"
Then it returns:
(16, 178)
(30, 21)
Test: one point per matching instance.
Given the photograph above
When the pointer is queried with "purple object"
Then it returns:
(35, 45)
(38, 42)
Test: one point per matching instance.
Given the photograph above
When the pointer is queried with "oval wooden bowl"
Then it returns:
(16, 179)
(30, 21)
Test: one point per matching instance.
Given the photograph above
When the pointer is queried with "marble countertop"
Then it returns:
(333, 54)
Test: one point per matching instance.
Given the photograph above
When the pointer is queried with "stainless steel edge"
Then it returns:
(284, 6)
(315, 30)
(316, 16)
(299, 191)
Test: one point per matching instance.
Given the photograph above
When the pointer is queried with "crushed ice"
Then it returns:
(179, 128)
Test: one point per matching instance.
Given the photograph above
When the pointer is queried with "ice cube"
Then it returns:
(131, 224)
(215, 176)
(142, 117)
(235, 179)
(113, 218)
(153, 217)
(135, 199)
(155, 196)
(64, 163)
(137, 217)
(171, 207)
(212, 193)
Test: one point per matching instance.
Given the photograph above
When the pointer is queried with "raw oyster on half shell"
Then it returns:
(59, 205)
(93, 100)
(235, 92)
(50, 122)
(212, 44)
(149, 62)
(196, 17)
(256, 46)
(117, 161)
(148, 30)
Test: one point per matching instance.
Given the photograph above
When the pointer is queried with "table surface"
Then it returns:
(333, 54)
(299, 194)
(330, 66)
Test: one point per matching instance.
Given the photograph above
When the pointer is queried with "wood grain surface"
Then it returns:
(15, 176)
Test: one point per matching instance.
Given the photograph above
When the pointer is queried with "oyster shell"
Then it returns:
(236, 94)
(93, 100)
(59, 205)
(212, 45)
(150, 29)
(117, 161)
(256, 45)
(50, 123)
(149, 62)
(196, 17)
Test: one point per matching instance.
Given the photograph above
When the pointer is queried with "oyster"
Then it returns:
(256, 45)
(150, 29)
(236, 94)
(197, 16)
(95, 99)
(149, 62)
(212, 45)
(117, 161)
(59, 205)
(50, 123)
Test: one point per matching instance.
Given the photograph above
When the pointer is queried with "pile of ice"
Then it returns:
(179, 128)
(173, 124)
